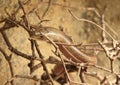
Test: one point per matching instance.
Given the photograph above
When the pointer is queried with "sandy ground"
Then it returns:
(79, 31)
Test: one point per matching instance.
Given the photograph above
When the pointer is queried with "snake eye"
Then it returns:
(41, 36)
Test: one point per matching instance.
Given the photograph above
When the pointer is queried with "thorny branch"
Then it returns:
(111, 52)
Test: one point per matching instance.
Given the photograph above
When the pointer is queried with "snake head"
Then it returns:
(44, 34)
(53, 34)
(38, 36)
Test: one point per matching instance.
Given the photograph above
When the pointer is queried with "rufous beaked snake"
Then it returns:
(70, 52)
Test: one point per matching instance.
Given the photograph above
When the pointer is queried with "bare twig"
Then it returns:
(8, 58)
(12, 49)
(104, 39)
(110, 28)
(43, 63)
(95, 75)
(104, 69)
(8, 25)
(118, 79)
(25, 18)
(44, 13)
(21, 76)
(91, 23)
(51, 60)
(27, 77)
(31, 64)
(111, 52)
(82, 75)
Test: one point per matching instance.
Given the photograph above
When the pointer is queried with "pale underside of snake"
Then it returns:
(71, 52)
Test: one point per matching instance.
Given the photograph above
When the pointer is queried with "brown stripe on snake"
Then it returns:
(70, 52)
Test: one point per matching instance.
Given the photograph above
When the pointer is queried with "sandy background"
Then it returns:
(59, 16)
